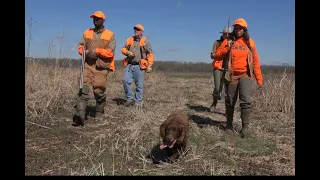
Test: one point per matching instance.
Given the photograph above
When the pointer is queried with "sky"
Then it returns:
(178, 30)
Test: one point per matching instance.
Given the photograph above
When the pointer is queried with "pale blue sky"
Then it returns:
(179, 30)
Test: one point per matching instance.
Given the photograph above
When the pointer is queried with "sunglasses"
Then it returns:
(137, 29)
(97, 18)
(238, 28)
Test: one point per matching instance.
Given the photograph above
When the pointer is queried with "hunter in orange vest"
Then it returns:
(139, 60)
(217, 65)
(243, 68)
(100, 45)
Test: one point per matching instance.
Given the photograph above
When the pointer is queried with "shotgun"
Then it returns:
(83, 59)
(224, 65)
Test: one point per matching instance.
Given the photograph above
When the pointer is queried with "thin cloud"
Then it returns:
(172, 49)
(179, 4)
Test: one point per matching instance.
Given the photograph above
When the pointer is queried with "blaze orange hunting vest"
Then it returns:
(101, 40)
(143, 62)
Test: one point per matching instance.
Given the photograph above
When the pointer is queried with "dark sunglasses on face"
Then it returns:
(237, 28)
(136, 29)
(97, 19)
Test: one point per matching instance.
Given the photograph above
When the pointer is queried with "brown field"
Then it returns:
(119, 144)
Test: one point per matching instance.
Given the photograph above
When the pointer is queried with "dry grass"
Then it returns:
(119, 144)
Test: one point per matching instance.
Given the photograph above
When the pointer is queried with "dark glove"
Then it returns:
(91, 54)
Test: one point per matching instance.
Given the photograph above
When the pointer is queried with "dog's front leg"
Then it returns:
(174, 156)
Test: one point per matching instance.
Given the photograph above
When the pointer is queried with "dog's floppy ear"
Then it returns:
(182, 132)
(163, 128)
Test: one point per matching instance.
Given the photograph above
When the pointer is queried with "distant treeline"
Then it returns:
(163, 66)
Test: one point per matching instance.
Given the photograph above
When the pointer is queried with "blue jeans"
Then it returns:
(133, 73)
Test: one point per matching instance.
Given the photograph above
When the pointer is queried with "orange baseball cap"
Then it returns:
(98, 14)
(139, 26)
(241, 22)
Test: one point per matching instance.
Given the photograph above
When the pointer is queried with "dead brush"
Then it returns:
(119, 145)
(278, 94)
(46, 93)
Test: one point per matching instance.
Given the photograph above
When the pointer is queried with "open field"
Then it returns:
(120, 143)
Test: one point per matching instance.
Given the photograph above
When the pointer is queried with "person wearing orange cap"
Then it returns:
(243, 68)
(100, 45)
(217, 65)
(139, 59)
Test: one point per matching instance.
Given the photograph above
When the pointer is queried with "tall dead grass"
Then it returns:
(48, 94)
(118, 145)
(278, 94)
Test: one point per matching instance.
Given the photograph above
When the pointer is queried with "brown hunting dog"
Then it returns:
(174, 132)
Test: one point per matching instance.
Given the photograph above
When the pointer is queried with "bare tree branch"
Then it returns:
(30, 23)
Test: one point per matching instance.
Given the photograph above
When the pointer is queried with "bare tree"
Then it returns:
(50, 47)
(60, 38)
(30, 23)
(58, 47)
(56, 44)
(68, 52)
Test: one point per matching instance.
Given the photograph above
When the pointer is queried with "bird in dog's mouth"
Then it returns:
(162, 146)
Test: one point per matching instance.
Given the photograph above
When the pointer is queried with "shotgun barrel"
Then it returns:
(224, 65)
(83, 59)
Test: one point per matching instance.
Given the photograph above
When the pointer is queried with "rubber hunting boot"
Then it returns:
(79, 117)
(245, 117)
(99, 111)
(213, 105)
(229, 112)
